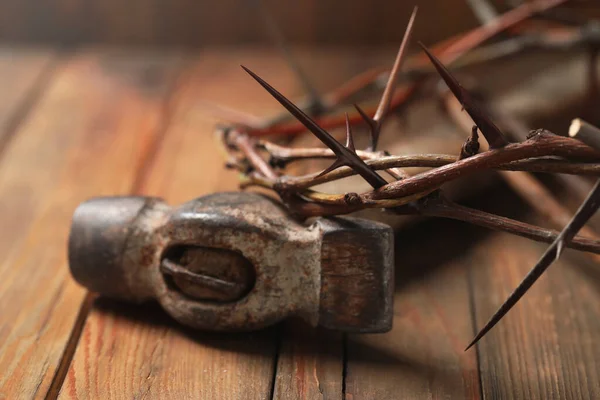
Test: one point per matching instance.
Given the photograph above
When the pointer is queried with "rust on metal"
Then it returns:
(209, 274)
(235, 261)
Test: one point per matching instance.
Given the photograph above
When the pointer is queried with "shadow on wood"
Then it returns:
(436, 242)
(153, 315)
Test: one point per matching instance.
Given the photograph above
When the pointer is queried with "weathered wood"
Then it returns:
(422, 357)
(546, 347)
(310, 364)
(131, 351)
(106, 126)
(190, 163)
(87, 136)
(124, 357)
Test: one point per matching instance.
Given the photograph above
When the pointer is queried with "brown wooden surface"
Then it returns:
(550, 338)
(101, 122)
(175, 363)
(422, 357)
(176, 174)
(206, 22)
(87, 135)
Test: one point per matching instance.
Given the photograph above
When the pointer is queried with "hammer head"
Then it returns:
(236, 261)
(102, 228)
(357, 275)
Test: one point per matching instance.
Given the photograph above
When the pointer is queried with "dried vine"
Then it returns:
(262, 163)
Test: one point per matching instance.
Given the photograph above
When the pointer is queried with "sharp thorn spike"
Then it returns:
(493, 135)
(386, 98)
(373, 127)
(559, 249)
(336, 164)
(364, 116)
(349, 145)
(471, 146)
(585, 212)
(312, 126)
(349, 158)
(349, 138)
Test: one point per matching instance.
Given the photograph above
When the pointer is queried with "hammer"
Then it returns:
(235, 262)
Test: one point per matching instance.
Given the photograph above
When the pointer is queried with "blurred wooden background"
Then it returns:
(203, 22)
(193, 23)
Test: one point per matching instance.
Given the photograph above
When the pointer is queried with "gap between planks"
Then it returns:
(85, 136)
(217, 78)
(142, 171)
(175, 176)
(279, 338)
(473, 314)
(65, 361)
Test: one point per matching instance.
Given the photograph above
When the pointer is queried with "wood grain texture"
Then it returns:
(87, 135)
(188, 164)
(127, 354)
(422, 357)
(310, 363)
(111, 123)
(546, 347)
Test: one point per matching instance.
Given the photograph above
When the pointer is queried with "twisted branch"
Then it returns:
(261, 162)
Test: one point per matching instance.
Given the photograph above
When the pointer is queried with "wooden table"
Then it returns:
(102, 122)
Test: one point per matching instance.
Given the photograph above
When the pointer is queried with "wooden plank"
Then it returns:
(187, 165)
(310, 362)
(87, 136)
(546, 347)
(422, 357)
(23, 75)
(120, 356)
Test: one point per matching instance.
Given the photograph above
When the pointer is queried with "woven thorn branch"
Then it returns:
(262, 164)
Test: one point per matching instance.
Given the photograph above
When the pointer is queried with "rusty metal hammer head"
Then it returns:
(235, 261)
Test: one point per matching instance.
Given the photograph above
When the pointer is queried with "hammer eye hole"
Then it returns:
(209, 274)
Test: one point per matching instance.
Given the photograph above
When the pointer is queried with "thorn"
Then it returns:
(349, 145)
(471, 145)
(346, 156)
(493, 135)
(364, 116)
(474, 135)
(386, 97)
(349, 138)
(336, 164)
(585, 212)
(560, 246)
(372, 127)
